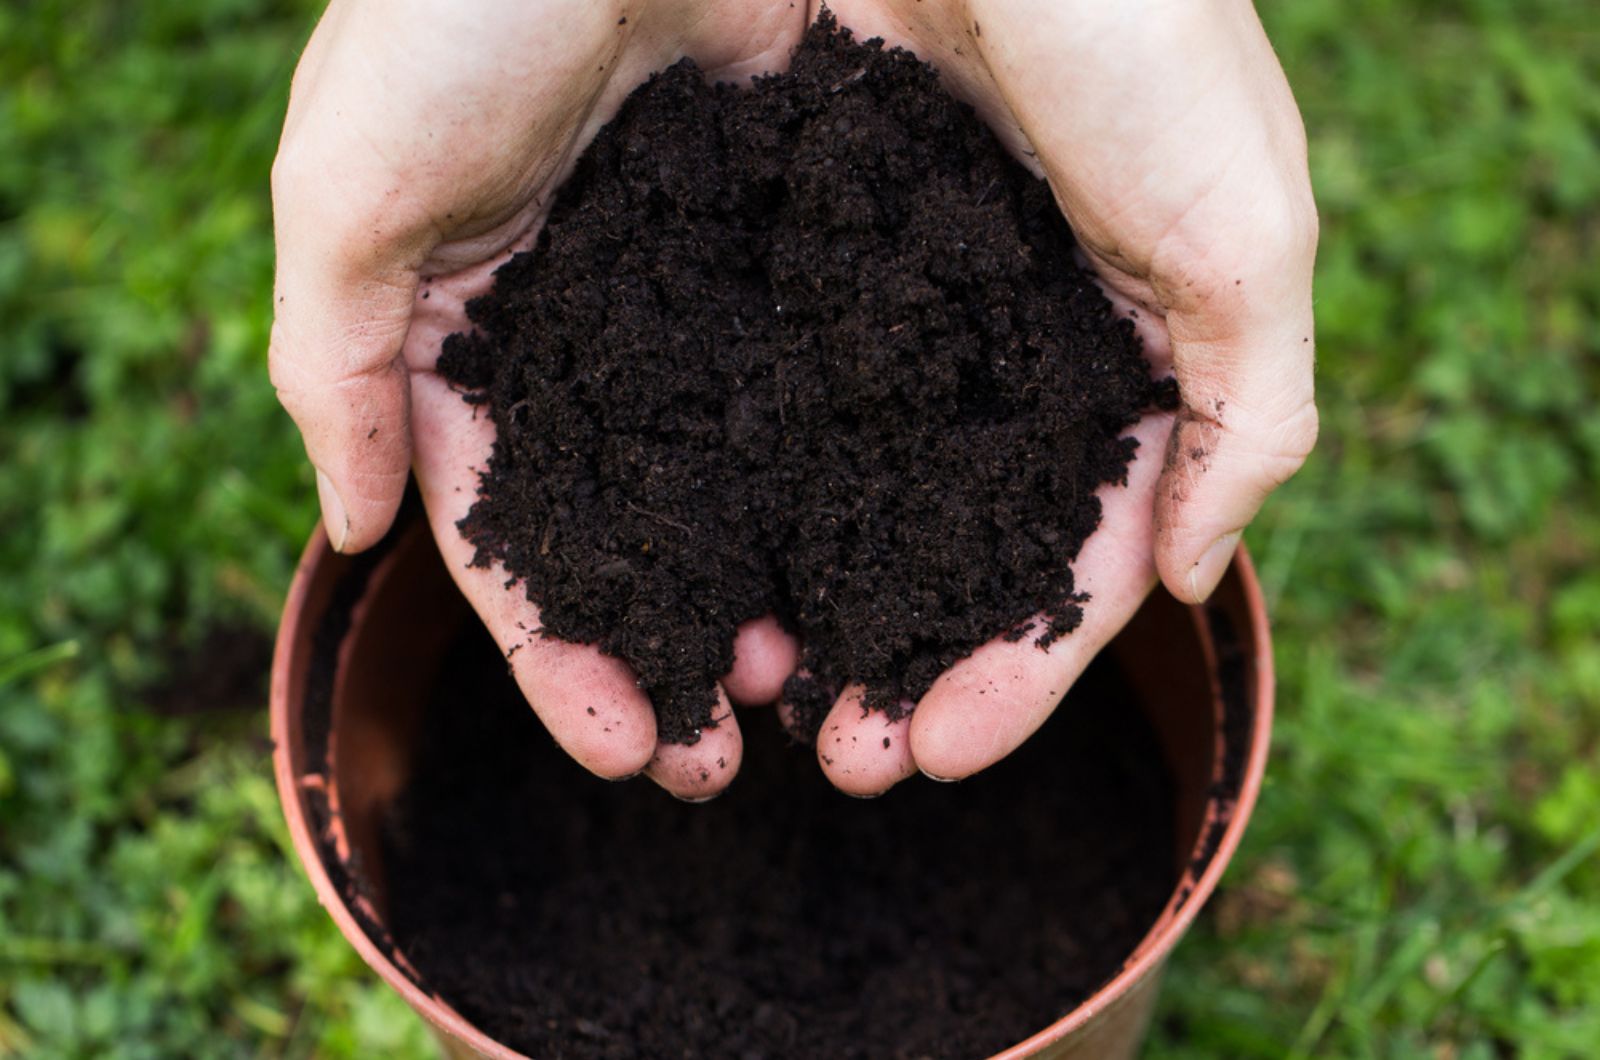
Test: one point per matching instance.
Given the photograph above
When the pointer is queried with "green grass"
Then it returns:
(1422, 876)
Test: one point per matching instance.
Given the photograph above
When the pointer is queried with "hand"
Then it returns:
(422, 144)
(421, 148)
(1173, 145)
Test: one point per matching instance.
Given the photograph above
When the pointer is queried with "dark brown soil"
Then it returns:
(569, 917)
(819, 348)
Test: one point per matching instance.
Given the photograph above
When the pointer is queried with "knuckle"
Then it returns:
(1289, 443)
(1300, 431)
(1272, 237)
(1312, 219)
(292, 177)
(281, 367)
(1282, 229)
(341, 217)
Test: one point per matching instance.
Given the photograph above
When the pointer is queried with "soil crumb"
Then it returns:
(818, 347)
(568, 917)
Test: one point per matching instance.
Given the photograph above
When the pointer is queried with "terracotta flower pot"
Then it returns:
(362, 639)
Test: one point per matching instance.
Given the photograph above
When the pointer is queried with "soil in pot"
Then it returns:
(569, 917)
(818, 347)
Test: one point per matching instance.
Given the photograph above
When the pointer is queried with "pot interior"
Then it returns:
(385, 622)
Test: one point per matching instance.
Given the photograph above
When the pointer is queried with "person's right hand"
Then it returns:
(1174, 148)
(421, 147)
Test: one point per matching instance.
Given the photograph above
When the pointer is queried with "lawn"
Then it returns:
(1422, 878)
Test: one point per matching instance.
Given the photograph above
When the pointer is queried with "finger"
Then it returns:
(763, 658)
(1247, 424)
(861, 751)
(676, 767)
(701, 770)
(986, 705)
(342, 297)
(334, 360)
(588, 701)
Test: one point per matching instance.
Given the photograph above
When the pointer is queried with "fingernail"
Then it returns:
(334, 519)
(941, 780)
(1213, 563)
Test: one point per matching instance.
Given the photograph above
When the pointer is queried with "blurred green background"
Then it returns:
(1422, 877)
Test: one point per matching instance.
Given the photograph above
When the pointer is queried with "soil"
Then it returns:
(818, 347)
(568, 917)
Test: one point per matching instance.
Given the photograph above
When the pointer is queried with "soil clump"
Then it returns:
(818, 347)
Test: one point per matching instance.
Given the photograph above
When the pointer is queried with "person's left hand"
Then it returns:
(1171, 141)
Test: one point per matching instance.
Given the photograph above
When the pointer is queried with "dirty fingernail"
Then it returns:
(1204, 575)
(334, 519)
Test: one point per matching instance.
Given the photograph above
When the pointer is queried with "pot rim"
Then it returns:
(317, 553)
(1148, 958)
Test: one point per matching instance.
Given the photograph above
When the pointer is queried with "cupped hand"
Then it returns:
(422, 144)
(1174, 148)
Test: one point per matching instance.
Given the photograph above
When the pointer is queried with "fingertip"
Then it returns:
(702, 770)
(864, 752)
(1191, 559)
(1221, 466)
(612, 739)
(1205, 573)
(987, 704)
(357, 526)
(335, 517)
(764, 656)
(587, 701)
(942, 759)
(982, 709)
(624, 752)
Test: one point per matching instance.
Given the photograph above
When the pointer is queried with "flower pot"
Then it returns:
(362, 639)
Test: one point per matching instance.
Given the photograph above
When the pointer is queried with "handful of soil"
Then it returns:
(820, 348)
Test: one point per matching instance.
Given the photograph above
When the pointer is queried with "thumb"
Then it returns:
(342, 309)
(1244, 360)
(1190, 192)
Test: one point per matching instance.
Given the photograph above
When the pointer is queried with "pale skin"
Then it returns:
(424, 139)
